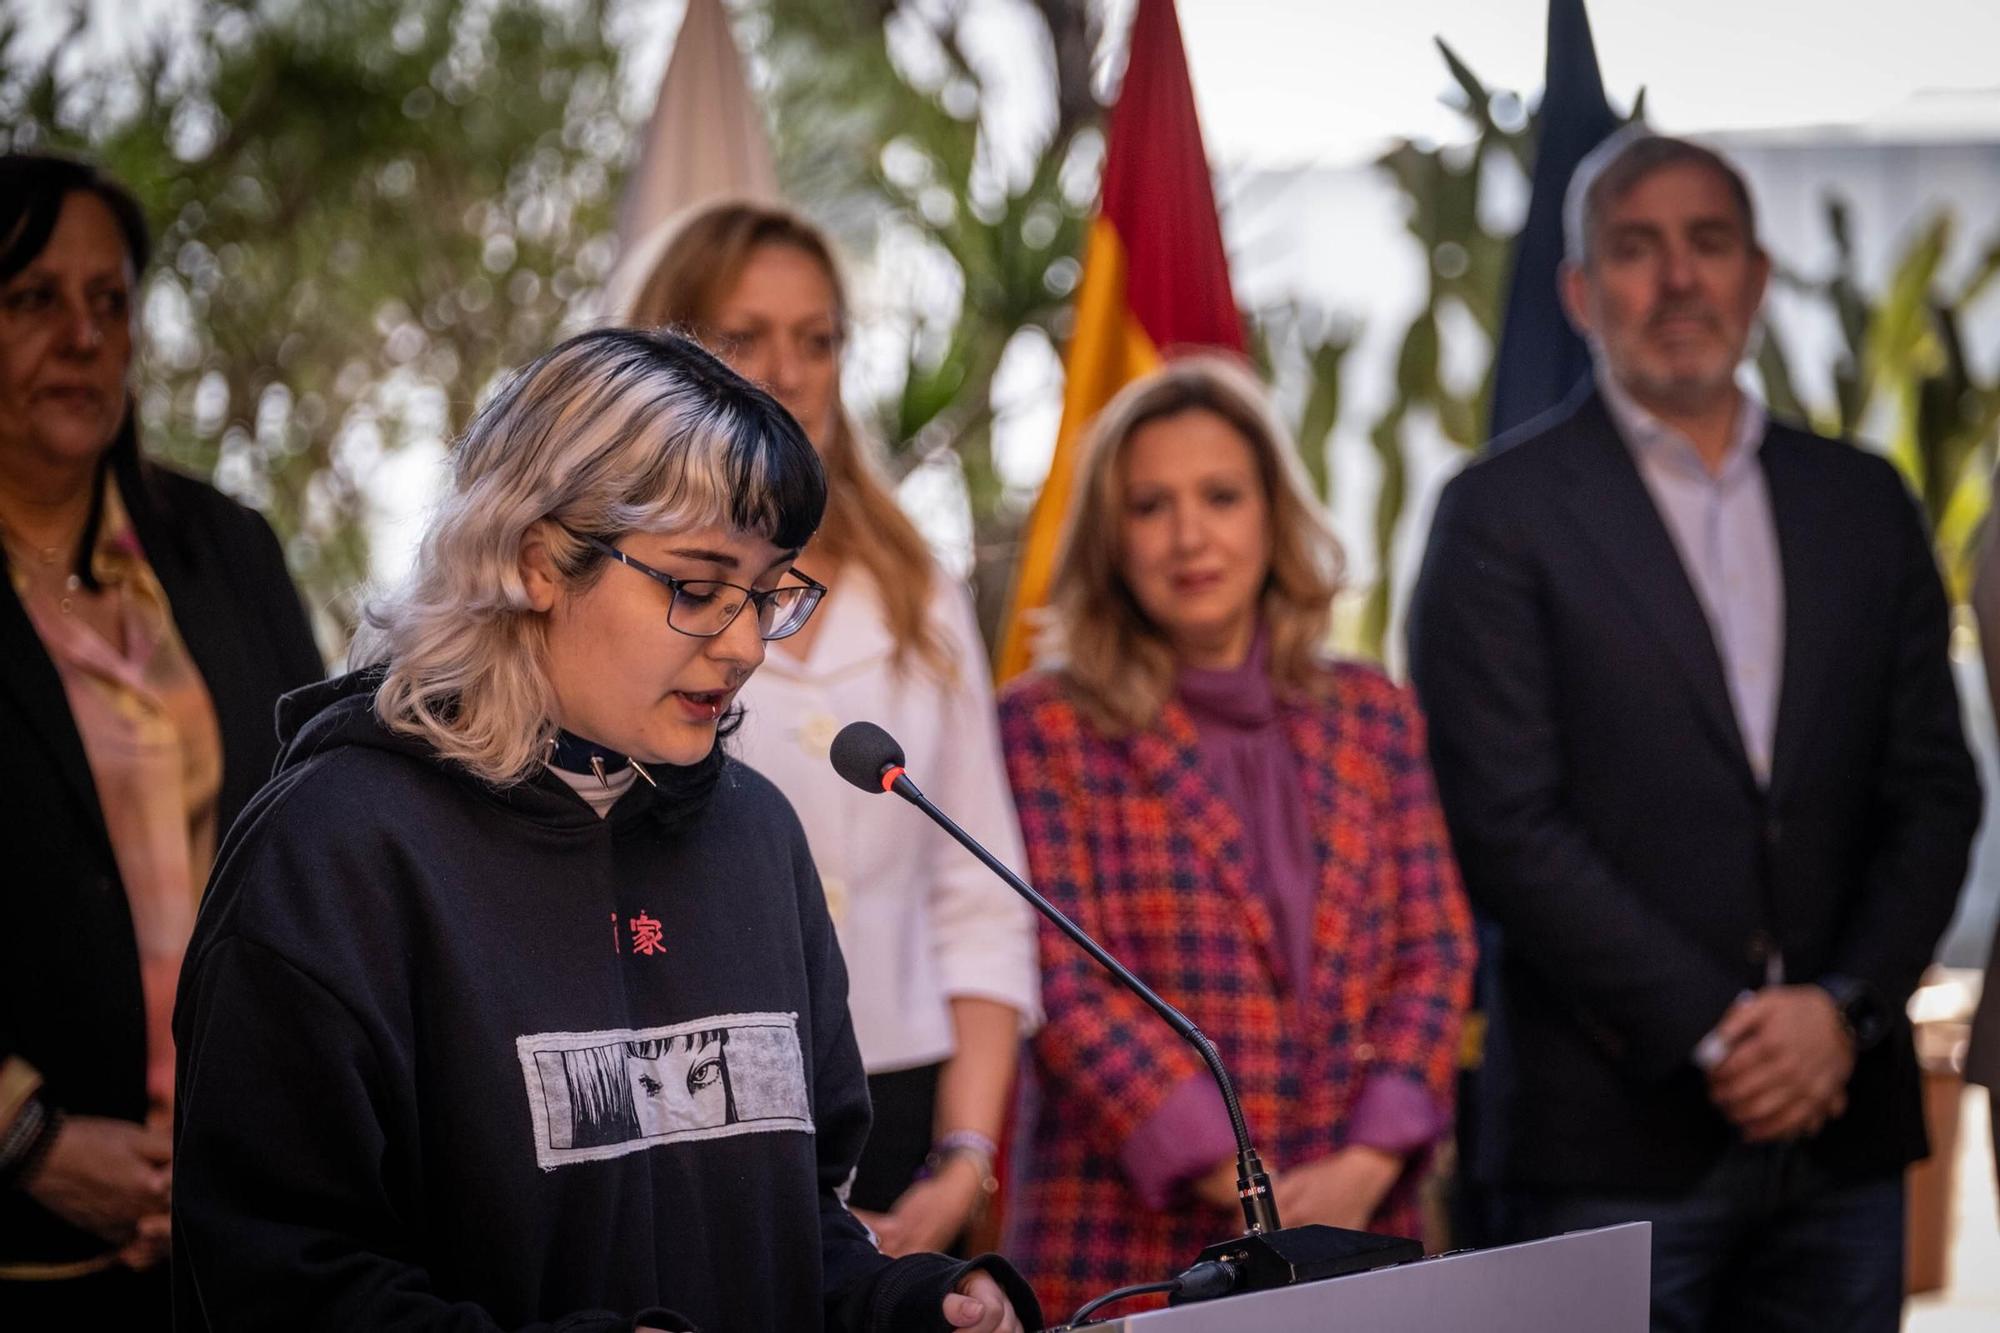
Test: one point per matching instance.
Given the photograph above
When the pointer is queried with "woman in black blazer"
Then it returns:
(147, 628)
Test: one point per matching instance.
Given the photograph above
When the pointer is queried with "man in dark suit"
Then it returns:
(1694, 727)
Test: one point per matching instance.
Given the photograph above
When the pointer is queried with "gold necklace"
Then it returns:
(48, 558)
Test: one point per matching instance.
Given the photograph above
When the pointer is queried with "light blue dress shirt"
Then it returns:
(1722, 526)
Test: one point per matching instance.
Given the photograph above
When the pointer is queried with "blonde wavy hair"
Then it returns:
(696, 271)
(614, 431)
(1117, 661)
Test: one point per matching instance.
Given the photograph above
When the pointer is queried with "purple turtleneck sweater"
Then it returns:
(1246, 756)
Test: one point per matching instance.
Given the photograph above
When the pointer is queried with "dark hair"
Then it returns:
(1612, 169)
(33, 187)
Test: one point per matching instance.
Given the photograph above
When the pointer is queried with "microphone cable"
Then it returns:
(1203, 1281)
(1089, 1308)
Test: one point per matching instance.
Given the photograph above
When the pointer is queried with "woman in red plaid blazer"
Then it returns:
(1252, 829)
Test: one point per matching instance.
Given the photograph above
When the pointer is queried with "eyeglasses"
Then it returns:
(706, 607)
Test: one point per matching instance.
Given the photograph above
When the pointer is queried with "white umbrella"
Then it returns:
(706, 140)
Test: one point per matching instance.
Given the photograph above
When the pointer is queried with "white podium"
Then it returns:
(1583, 1282)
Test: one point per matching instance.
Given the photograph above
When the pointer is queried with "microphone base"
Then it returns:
(1293, 1255)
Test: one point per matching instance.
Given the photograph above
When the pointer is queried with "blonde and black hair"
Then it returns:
(1113, 656)
(614, 431)
(696, 271)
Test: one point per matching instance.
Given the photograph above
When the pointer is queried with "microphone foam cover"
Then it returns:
(862, 751)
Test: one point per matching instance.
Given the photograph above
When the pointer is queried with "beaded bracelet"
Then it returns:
(967, 1140)
(38, 1153)
(968, 1143)
(28, 1141)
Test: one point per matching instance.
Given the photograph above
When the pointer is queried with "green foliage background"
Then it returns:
(367, 209)
(364, 210)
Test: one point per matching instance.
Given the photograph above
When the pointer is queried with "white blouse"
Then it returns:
(920, 921)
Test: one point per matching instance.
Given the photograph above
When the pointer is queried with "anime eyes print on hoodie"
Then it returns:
(597, 1095)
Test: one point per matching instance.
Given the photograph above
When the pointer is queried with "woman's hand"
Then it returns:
(874, 1221)
(979, 1305)
(104, 1175)
(933, 1212)
(1216, 1187)
(1342, 1189)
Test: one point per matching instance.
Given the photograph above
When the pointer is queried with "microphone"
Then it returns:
(869, 757)
(1266, 1255)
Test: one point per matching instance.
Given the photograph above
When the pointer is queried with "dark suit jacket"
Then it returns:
(70, 998)
(1607, 819)
(1982, 1057)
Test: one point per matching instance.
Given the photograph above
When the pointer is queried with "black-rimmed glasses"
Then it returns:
(706, 607)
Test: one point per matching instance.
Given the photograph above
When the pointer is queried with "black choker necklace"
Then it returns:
(573, 754)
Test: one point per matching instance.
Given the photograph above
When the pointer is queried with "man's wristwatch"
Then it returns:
(1861, 1010)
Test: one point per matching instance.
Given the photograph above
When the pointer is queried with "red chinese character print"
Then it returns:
(646, 935)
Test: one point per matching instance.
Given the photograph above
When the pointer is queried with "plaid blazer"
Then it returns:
(1130, 838)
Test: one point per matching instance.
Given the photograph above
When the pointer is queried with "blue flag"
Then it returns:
(1540, 358)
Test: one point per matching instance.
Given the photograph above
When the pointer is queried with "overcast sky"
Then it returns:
(1288, 81)
(1291, 80)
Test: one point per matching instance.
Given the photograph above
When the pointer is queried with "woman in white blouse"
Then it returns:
(944, 980)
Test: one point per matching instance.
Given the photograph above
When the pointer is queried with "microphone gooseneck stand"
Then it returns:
(1266, 1255)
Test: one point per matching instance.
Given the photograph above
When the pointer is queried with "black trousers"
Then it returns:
(899, 1139)
(1767, 1242)
(117, 1298)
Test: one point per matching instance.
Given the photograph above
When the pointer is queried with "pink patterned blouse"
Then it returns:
(149, 732)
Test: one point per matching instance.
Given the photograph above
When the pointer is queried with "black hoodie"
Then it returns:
(455, 1056)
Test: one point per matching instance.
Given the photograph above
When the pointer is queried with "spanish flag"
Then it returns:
(1155, 282)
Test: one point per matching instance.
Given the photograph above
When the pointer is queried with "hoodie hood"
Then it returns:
(332, 713)
(340, 712)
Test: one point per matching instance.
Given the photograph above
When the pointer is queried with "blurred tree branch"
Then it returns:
(891, 155)
(364, 211)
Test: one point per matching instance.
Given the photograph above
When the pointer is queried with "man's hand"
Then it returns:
(979, 1305)
(1788, 1064)
(104, 1175)
(1342, 1189)
(152, 1242)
